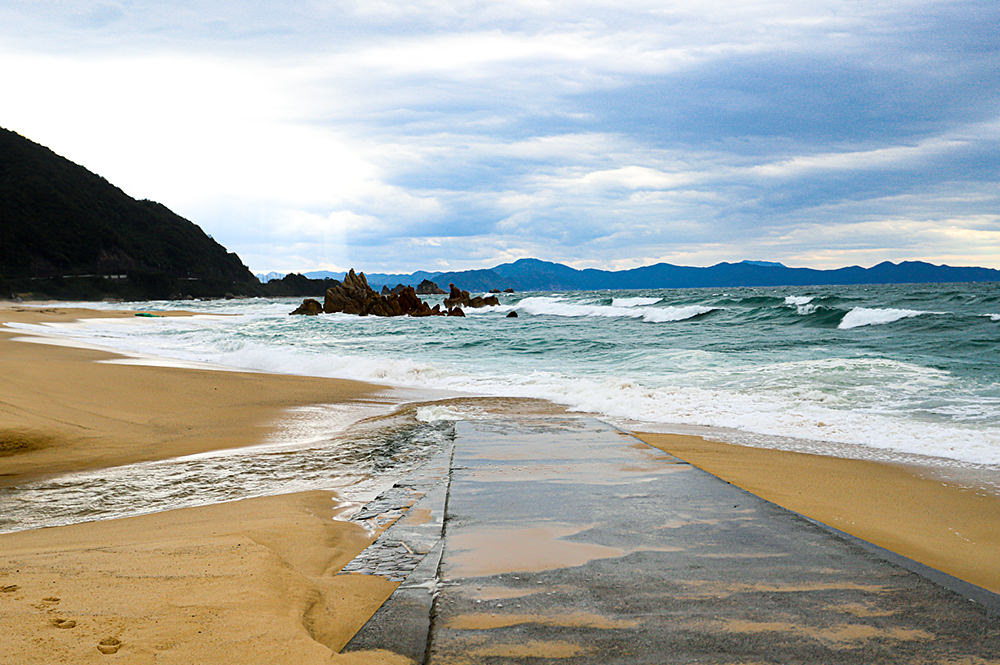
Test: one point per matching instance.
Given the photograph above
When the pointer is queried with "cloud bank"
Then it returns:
(451, 135)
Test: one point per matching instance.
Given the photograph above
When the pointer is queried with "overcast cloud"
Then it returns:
(397, 136)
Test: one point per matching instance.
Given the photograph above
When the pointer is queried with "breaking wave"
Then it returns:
(868, 316)
(551, 306)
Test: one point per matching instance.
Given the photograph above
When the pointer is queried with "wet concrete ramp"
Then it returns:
(567, 541)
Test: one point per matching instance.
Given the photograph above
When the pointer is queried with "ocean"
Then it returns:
(878, 371)
(903, 373)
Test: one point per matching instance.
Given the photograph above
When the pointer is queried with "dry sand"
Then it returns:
(244, 582)
(904, 509)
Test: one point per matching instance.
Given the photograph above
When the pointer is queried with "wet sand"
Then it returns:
(905, 509)
(61, 410)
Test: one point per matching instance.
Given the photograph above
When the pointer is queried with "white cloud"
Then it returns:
(401, 133)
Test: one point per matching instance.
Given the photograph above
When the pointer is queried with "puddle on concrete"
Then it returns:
(484, 551)
(491, 620)
(529, 649)
(841, 636)
(596, 473)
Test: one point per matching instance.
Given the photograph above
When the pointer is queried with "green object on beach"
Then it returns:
(149, 314)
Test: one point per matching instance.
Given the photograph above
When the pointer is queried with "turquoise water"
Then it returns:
(909, 369)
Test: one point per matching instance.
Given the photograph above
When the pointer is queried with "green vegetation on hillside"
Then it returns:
(68, 233)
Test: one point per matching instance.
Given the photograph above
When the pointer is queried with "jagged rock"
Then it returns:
(398, 289)
(494, 290)
(348, 296)
(508, 290)
(511, 314)
(429, 288)
(458, 298)
(309, 307)
(385, 290)
(479, 301)
(354, 296)
(456, 311)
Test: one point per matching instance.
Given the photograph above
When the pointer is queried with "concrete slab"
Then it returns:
(568, 541)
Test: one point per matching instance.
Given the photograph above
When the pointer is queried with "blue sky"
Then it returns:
(450, 135)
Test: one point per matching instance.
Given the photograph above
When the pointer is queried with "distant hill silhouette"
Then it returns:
(68, 233)
(538, 275)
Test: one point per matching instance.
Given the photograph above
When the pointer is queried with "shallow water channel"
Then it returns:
(357, 462)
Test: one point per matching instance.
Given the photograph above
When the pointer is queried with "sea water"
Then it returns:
(876, 370)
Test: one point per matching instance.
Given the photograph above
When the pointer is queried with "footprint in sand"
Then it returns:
(63, 623)
(109, 645)
(10, 588)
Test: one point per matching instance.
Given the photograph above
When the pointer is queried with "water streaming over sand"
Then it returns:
(894, 368)
(312, 453)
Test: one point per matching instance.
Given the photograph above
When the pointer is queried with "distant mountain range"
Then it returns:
(538, 275)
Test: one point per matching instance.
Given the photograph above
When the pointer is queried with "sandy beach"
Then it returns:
(61, 409)
(255, 581)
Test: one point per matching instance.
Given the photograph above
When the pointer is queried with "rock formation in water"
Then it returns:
(309, 307)
(429, 288)
(354, 296)
(459, 298)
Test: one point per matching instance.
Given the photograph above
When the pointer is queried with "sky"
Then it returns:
(396, 136)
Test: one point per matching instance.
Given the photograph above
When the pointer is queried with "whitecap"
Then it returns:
(992, 317)
(873, 316)
(543, 305)
(680, 313)
(798, 300)
(637, 301)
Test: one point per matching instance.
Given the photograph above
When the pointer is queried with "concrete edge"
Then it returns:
(988, 600)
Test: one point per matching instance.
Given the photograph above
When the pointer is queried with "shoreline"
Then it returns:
(66, 408)
(90, 415)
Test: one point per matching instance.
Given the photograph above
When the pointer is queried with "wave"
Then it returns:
(992, 317)
(544, 305)
(845, 400)
(803, 304)
(637, 301)
(874, 316)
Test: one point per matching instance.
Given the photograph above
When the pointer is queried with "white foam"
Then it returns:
(846, 400)
(679, 313)
(544, 305)
(873, 316)
(993, 317)
(798, 300)
(637, 301)
(436, 413)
